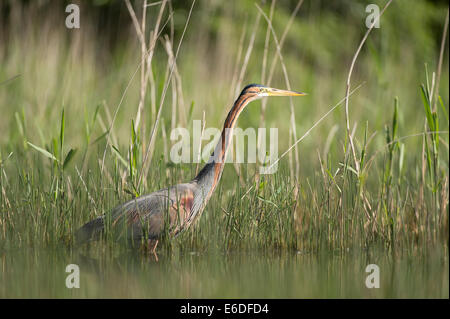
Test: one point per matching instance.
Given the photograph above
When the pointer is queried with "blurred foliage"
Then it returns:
(61, 88)
(81, 69)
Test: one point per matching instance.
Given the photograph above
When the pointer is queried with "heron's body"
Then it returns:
(179, 206)
(145, 216)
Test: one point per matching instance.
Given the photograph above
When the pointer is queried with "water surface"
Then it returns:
(41, 273)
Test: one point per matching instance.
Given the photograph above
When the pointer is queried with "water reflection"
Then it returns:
(33, 273)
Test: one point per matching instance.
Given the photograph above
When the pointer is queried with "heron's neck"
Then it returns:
(209, 176)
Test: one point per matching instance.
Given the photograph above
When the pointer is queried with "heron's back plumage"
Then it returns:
(171, 209)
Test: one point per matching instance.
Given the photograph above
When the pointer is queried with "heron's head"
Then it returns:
(259, 91)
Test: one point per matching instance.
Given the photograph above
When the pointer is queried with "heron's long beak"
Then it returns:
(277, 92)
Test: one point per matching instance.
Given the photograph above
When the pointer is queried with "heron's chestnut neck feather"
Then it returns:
(210, 174)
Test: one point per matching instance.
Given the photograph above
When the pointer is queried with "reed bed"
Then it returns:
(85, 128)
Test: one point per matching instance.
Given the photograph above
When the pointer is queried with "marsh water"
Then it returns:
(41, 273)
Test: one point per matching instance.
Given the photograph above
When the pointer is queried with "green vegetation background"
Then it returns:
(399, 198)
(305, 233)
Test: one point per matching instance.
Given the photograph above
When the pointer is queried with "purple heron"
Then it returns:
(175, 208)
